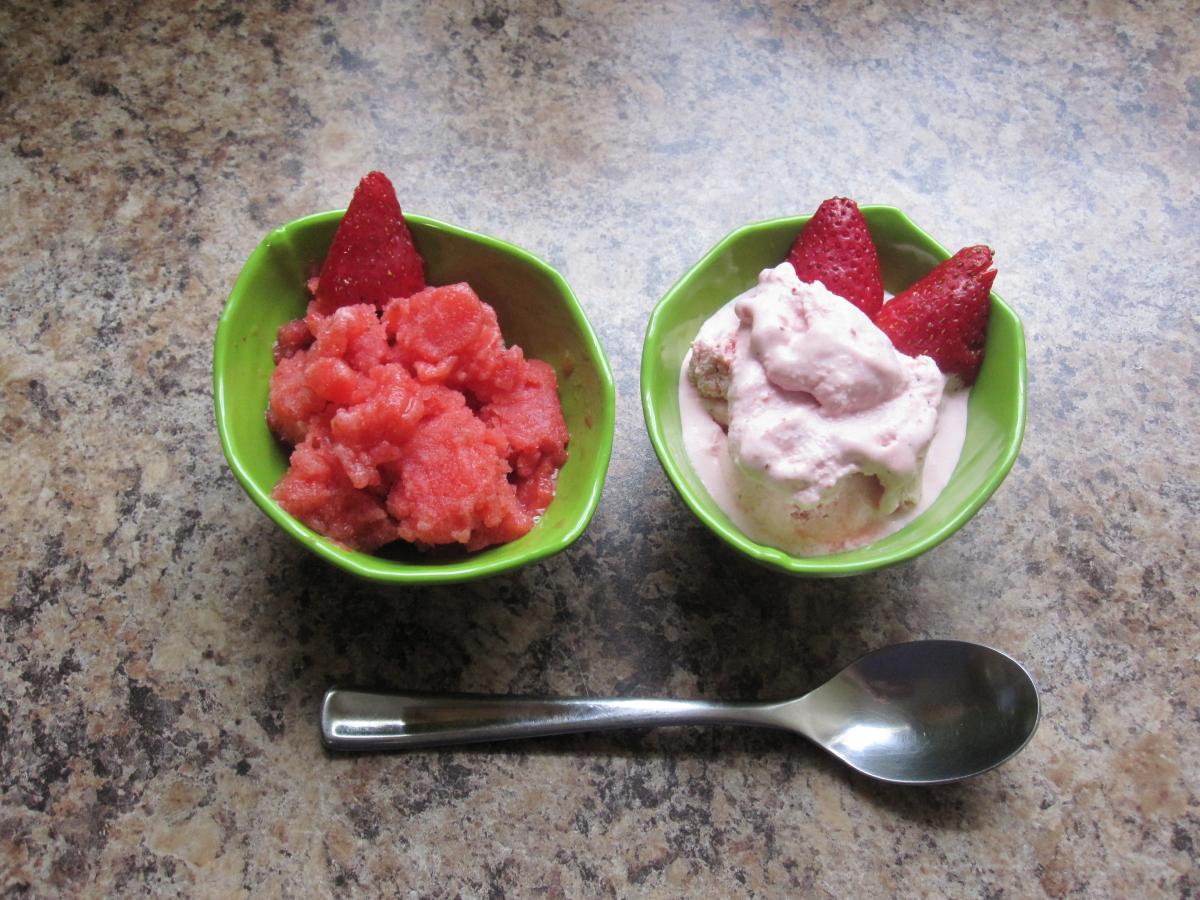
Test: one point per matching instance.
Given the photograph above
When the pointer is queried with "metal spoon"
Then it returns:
(925, 712)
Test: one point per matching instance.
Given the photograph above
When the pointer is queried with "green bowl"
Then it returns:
(537, 310)
(996, 410)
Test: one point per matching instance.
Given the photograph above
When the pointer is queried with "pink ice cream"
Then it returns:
(806, 425)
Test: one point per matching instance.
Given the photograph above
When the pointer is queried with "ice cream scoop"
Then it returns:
(925, 712)
(825, 429)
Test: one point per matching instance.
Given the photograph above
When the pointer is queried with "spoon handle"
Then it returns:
(358, 720)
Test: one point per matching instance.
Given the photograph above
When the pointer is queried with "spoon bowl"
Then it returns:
(925, 712)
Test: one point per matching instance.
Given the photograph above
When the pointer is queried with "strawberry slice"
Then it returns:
(372, 258)
(835, 248)
(945, 314)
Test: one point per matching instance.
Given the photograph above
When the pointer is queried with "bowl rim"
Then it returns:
(826, 565)
(375, 568)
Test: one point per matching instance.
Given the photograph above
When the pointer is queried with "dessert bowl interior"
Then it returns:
(536, 309)
(996, 409)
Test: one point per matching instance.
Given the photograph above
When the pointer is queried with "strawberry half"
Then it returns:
(945, 314)
(372, 258)
(835, 248)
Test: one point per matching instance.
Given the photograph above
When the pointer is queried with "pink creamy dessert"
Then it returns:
(807, 427)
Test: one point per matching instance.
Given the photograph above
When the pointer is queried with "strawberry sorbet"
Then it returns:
(414, 422)
(410, 418)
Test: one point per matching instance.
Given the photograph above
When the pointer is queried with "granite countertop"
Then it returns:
(165, 648)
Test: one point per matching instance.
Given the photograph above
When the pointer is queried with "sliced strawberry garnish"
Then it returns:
(372, 258)
(945, 314)
(835, 248)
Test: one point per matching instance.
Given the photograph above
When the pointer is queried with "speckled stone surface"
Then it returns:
(164, 647)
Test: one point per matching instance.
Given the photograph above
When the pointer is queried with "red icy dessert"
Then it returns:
(410, 417)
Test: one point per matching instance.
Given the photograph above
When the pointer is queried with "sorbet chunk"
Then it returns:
(293, 406)
(318, 492)
(452, 480)
(531, 418)
(446, 335)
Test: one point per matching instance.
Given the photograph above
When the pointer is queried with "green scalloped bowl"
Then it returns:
(537, 310)
(996, 410)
